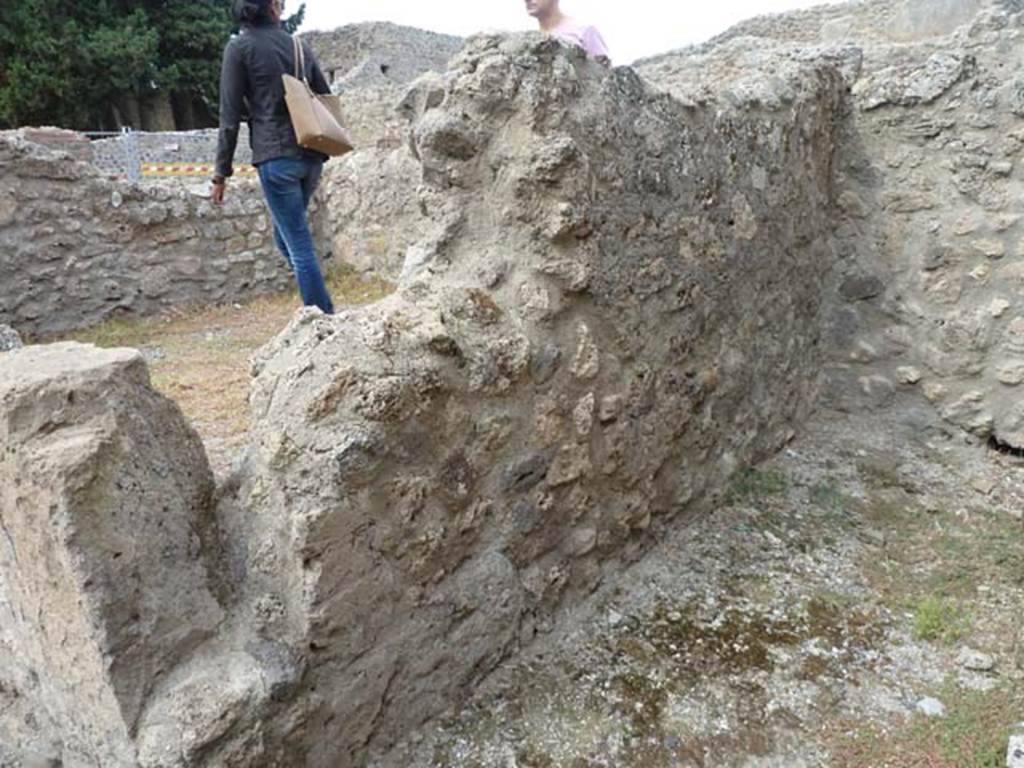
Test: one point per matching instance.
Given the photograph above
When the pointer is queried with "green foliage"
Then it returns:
(752, 484)
(938, 619)
(292, 23)
(828, 496)
(71, 64)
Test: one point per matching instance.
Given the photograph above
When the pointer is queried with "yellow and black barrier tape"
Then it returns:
(190, 169)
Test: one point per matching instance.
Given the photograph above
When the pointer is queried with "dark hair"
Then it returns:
(250, 11)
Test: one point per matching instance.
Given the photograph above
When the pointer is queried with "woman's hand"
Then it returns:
(217, 188)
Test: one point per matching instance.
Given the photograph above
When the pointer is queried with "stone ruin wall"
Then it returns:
(77, 247)
(611, 309)
(381, 52)
(609, 299)
(926, 313)
(930, 302)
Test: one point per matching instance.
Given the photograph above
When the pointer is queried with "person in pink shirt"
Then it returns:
(555, 23)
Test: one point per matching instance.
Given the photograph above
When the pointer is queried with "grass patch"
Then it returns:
(752, 484)
(351, 288)
(973, 734)
(827, 496)
(933, 561)
(937, 619)
(200, 358)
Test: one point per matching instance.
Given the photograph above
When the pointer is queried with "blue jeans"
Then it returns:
(288, 184)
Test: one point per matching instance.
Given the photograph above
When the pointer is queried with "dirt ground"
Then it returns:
(200, 358)
(857, 602)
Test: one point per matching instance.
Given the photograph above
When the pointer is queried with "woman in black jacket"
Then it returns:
(250, 81)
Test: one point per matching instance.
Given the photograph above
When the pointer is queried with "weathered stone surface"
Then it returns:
(398, 54)
(9, 339)
(107, 534)
(976, 661)
(371, 65)
(375, 221)
(908, 86)
(925, 177)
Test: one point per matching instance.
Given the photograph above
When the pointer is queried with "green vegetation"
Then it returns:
(751, 484)
(828, 497)
(940, 620)
(81, 64)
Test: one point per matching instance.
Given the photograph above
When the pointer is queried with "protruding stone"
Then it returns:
(586, 363)
(1015, 749)
(582, 542)
(544, 363)
(611, 407)
(1011, 373)
(991, 249)
(908, 375)
(970, 412)
(976, 661)
(571, 463)
(998, 307)
(980, 273)
(861, 287)
(583, 415)
(878, 389)
(9, 339)
(931, 707)
(1014, 336)
(983, 484)
(525, 473)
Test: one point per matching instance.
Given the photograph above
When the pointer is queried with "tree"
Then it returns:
(77, 65)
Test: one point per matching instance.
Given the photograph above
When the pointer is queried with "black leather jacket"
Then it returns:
(251, 89)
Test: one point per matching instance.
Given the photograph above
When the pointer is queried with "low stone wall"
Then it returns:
(76, 247)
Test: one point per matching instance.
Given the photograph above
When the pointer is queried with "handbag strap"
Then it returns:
(300, 60)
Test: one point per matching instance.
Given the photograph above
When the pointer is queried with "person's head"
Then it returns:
(542, 9)
(256, 11)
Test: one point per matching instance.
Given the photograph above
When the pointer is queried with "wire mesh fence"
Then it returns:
(138, 155)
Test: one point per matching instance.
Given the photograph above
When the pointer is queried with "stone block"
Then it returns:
(105, 503)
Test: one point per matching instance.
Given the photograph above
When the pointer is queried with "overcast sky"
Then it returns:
(632, 28)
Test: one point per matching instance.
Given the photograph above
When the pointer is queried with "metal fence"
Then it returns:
(137, 155)
(131, 162)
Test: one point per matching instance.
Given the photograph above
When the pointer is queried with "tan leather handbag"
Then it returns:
(316, 117)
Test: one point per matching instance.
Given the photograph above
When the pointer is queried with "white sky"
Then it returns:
(632, 28)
